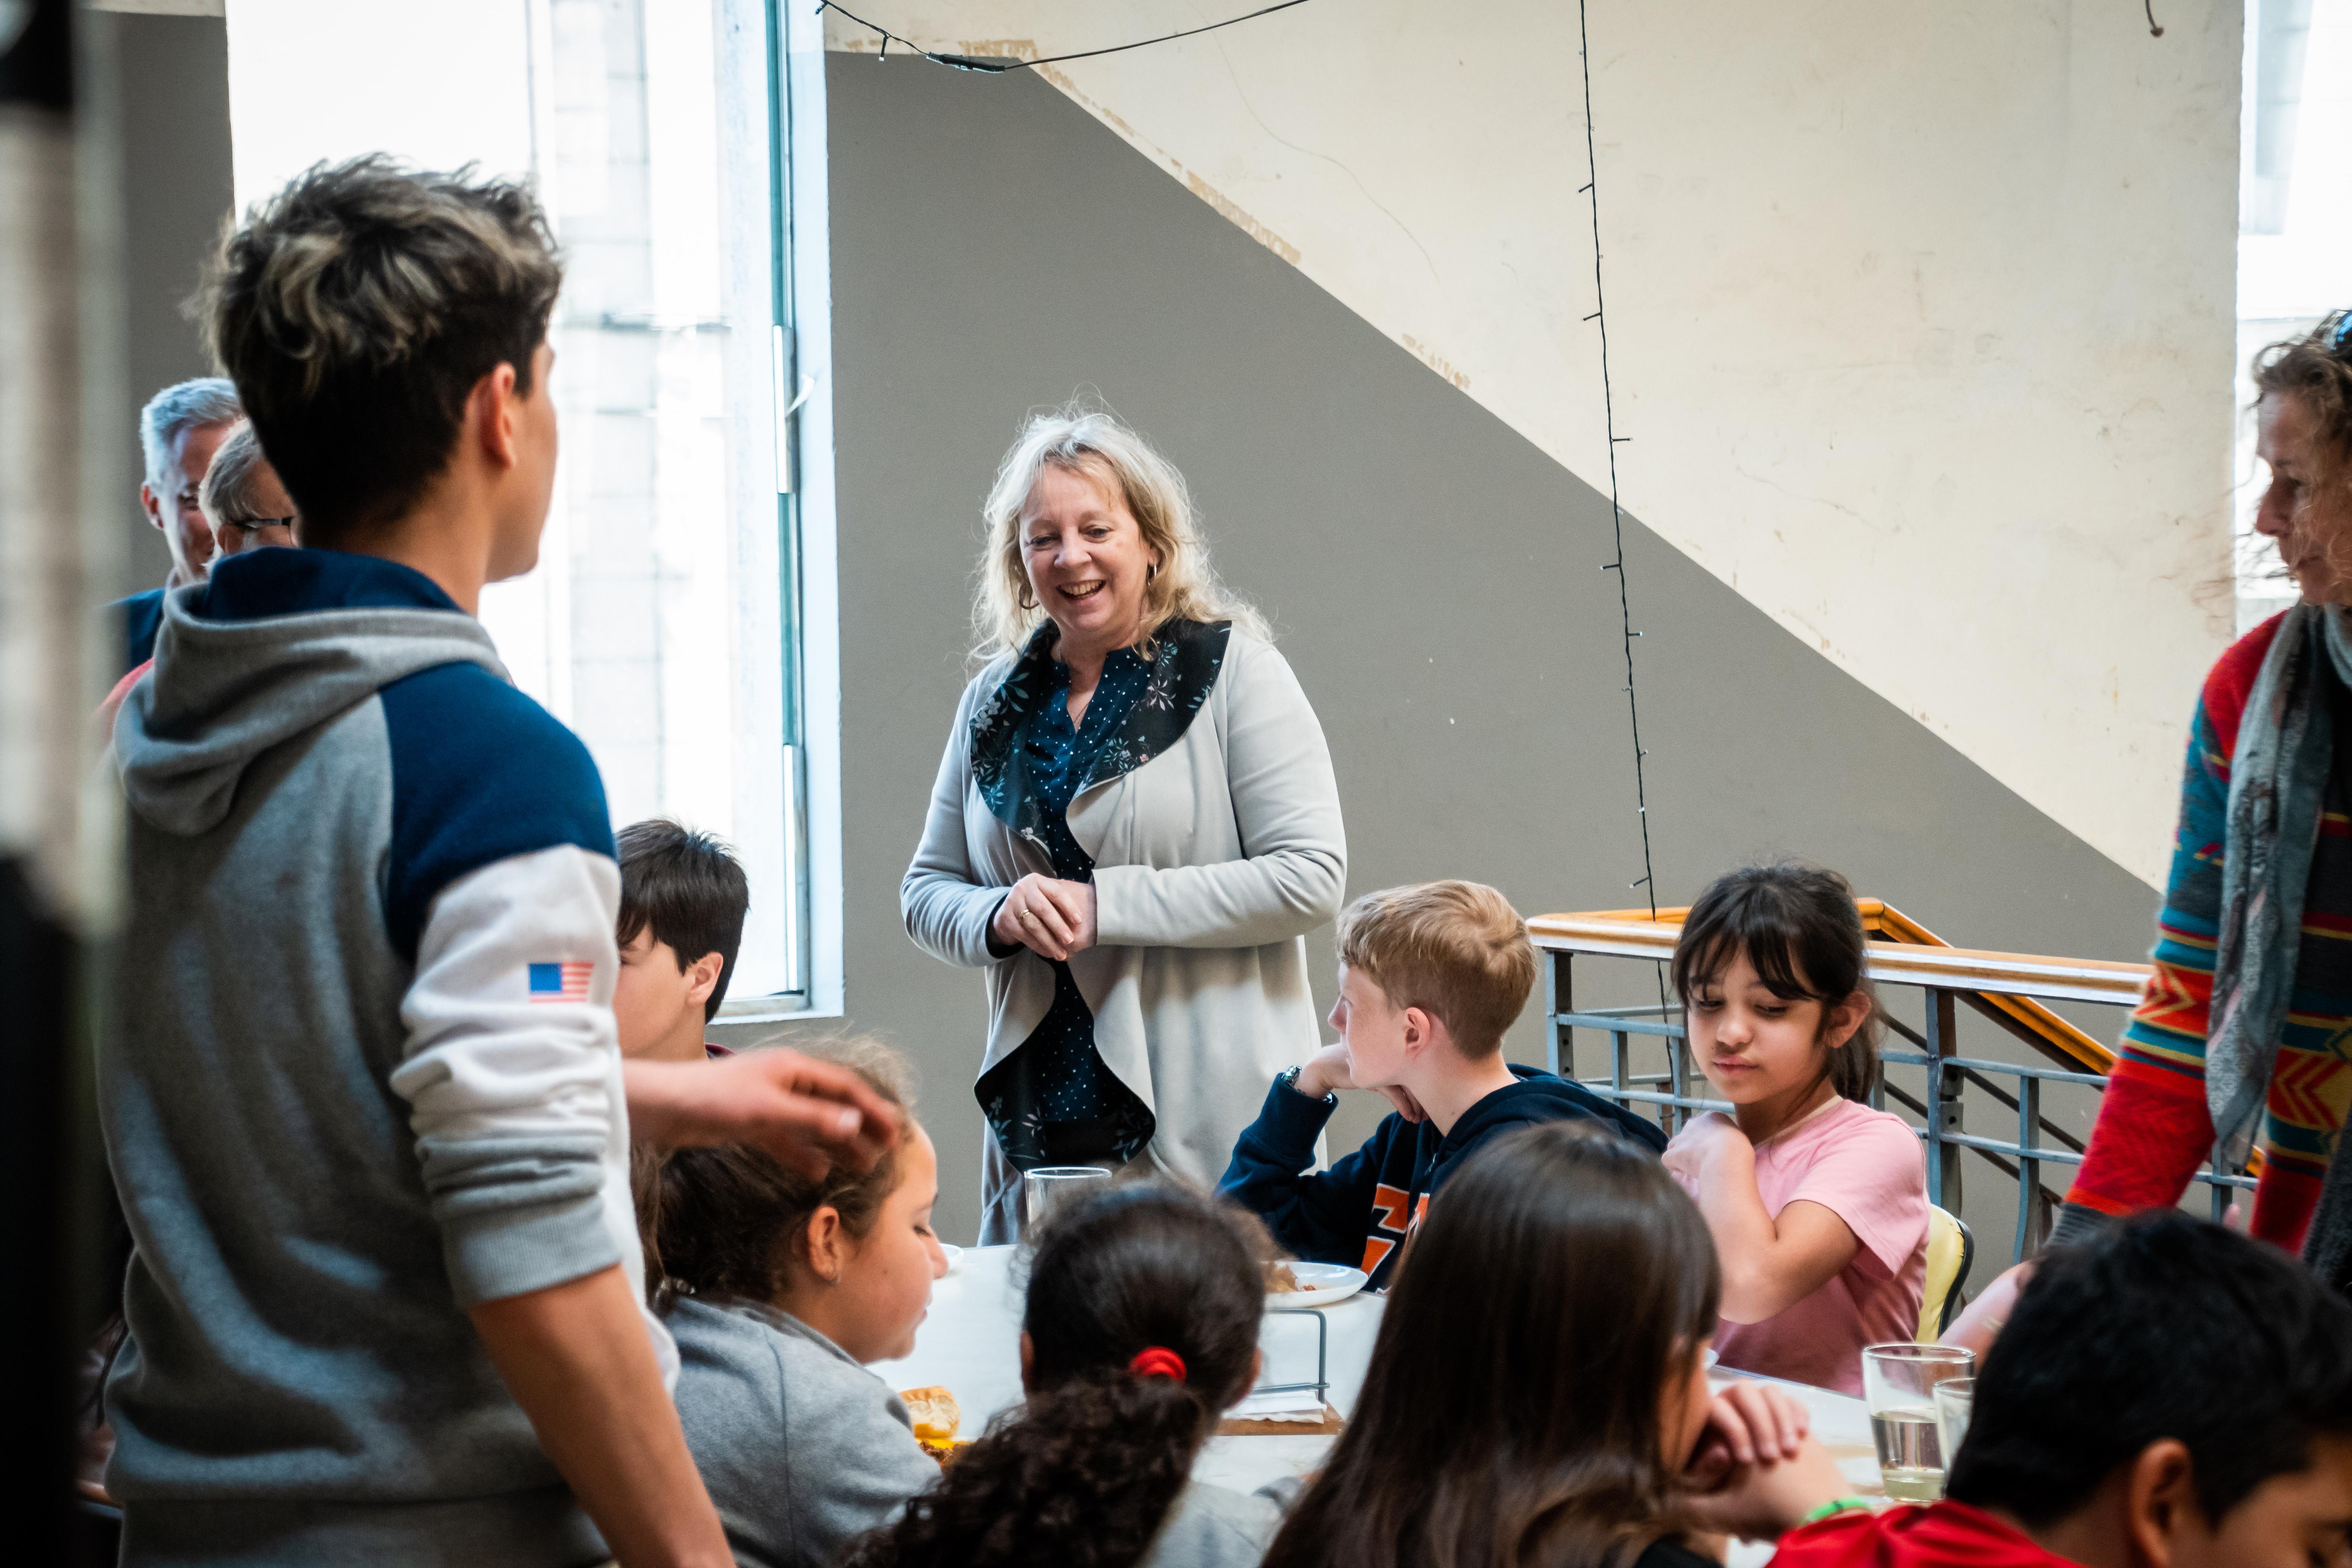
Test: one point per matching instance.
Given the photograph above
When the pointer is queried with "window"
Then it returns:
(667, 617)
(2295, 163)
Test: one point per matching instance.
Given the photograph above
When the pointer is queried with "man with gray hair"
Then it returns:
(179, 430)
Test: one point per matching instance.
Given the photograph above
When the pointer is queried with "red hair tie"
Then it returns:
(1157, 1361)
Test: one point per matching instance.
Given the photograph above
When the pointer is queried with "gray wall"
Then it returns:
(1432, 576)
(172, 75)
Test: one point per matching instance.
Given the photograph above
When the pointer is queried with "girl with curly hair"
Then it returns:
(1140, 1330)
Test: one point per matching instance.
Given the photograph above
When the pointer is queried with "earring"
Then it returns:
(1026, 602)
(1151, 572)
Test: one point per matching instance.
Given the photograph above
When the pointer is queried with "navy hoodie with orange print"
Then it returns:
(1361, 1210)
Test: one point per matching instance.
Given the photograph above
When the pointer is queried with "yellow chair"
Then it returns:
(1950, 1249)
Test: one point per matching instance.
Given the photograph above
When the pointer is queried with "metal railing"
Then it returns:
(1947, 1078)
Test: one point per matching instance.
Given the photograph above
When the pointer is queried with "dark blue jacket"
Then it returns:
(1359, 1210)
(143, 618)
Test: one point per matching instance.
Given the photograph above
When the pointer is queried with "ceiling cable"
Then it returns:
(997, 64)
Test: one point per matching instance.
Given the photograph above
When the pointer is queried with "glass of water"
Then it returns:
(1898, 1382)
(1954, 1398)
(1050, 1188)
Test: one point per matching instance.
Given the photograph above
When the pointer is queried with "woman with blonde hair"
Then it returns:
(1133, 828)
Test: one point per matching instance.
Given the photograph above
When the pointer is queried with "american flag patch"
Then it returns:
(565, 982)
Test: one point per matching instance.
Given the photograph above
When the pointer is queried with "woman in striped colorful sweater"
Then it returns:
(2244, 1038)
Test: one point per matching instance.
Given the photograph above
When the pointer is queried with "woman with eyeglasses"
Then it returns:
(243, 501)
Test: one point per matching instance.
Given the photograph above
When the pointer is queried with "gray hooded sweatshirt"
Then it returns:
(363, 1075)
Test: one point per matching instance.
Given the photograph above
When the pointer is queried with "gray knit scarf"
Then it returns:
(2278, 779)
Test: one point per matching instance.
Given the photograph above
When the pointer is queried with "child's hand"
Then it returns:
(1702, 1137)
(1749, 1423)
(1758, 1469)
(1329, 1070)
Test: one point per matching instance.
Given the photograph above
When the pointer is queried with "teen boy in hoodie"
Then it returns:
(364, 1104)
(1431, 975)
(2167, 1395)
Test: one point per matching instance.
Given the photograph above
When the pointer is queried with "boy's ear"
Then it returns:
(702, 978)
(828, 1244)
(2160, 1504)
(1419, 1028)
(489, 420)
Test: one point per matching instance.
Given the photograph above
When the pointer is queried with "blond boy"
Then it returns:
(1431, 976)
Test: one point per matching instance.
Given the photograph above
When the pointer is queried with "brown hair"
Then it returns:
(691, 890)
(1519, 1420)
(1800, 928)
(1456, 951)
(1083, 1473)
(356, 309)
(731, 1220)
(2316, 370)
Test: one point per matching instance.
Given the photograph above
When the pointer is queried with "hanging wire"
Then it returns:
(1649, 881)
(997, 64)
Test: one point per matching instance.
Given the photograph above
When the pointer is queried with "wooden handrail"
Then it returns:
(2002, 985)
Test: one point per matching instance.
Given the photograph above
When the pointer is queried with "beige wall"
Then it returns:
(1920, 316)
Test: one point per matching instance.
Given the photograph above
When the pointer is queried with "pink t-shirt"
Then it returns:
(1866, 1167)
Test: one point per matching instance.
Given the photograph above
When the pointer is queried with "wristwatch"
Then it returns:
(1289, 1080)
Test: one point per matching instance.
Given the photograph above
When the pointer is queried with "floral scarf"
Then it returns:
(1185, 659)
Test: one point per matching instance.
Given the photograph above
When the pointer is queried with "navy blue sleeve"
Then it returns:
(1321, 1216)
(480, 774)
(1629, 1124)
(143, 618)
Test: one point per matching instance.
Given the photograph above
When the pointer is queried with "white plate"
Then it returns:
(955, 1255)
(1320, 1284)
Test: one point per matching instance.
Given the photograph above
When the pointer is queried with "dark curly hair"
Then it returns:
(1082, 1474)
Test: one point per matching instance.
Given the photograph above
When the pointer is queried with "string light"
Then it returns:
(1616, 508)
(998, 64)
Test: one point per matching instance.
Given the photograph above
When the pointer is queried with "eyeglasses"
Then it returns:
(255, 524)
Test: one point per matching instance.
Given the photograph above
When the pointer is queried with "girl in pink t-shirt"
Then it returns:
(1818, 1203)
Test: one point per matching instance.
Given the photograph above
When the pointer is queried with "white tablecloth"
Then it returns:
(970, 1345)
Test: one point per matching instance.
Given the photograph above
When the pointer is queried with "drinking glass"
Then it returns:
(1898, 1382)
(1048, 1189)
(1954, 1395)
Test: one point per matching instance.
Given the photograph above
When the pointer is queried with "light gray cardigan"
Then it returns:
(799, 1448)
(1212, 860)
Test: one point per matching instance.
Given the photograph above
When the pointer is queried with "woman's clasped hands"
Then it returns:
(1051, 917)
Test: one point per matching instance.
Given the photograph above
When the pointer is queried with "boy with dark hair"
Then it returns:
(2168, 1393)
(362, 1104)
(683, 899)
(1431, 976)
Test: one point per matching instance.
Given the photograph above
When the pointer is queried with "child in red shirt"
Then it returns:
(2170, 1394)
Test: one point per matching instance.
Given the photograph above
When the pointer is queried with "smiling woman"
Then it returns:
(1133, 828)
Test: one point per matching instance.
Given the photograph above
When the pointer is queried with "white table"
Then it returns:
(970, 1345)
